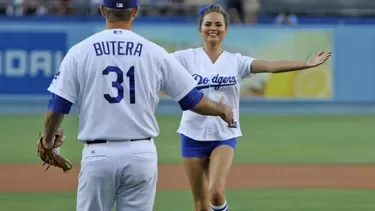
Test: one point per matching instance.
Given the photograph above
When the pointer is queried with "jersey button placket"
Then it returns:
(210, 94)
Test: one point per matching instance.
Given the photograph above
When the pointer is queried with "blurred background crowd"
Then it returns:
(241, 11)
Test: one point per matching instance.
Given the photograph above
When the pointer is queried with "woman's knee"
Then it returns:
(217, 194)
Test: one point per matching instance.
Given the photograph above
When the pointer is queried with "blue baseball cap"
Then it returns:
(121, 4)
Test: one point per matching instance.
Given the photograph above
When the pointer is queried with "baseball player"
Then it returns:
(114, 78)
(207, 144)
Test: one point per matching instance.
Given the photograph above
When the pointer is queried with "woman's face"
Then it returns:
(213, 28)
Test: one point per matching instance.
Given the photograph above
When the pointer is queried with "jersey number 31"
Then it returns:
(118, 84)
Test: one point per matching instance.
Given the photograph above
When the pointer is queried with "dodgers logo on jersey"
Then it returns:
(216, 82)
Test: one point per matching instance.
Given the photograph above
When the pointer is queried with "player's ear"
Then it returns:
(134, 12)
(102, 11)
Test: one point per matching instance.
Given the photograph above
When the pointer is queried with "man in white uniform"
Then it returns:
(114, 78)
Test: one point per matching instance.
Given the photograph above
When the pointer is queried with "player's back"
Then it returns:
(119, 81)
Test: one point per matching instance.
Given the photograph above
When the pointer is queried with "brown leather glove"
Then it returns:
(52, 156)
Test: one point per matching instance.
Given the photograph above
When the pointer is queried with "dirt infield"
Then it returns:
(33, 178)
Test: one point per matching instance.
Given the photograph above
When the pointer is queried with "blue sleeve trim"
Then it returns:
(59, 105)
(190, 100)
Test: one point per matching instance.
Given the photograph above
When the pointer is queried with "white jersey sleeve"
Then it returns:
(177, 81)
(244, 65)
(182, 57)
(65, 83)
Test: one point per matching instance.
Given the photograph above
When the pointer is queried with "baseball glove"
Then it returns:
(52, 156)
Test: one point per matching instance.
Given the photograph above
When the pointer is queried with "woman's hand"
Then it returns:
(318, 58)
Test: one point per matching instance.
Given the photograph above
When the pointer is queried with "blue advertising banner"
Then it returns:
(29, 60)
(31, 51)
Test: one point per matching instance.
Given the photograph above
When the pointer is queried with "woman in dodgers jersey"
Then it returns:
(208, 143)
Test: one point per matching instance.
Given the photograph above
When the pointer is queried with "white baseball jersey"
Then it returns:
(215, 80)
(114, 77)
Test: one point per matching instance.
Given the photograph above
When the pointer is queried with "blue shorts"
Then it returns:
(191, 148)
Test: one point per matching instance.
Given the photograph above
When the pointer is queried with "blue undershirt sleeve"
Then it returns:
(190, 100)
(59, 105)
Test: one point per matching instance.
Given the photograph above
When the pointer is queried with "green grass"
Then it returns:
(239, 200)
(267, 139)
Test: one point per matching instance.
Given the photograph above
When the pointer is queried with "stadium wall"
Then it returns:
(31, 50)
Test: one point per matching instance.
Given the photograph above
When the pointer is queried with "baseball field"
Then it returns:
(283, 163)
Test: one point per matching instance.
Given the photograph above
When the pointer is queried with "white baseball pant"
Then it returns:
(121, 173)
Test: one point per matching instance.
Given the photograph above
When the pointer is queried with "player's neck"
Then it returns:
(118, 25)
